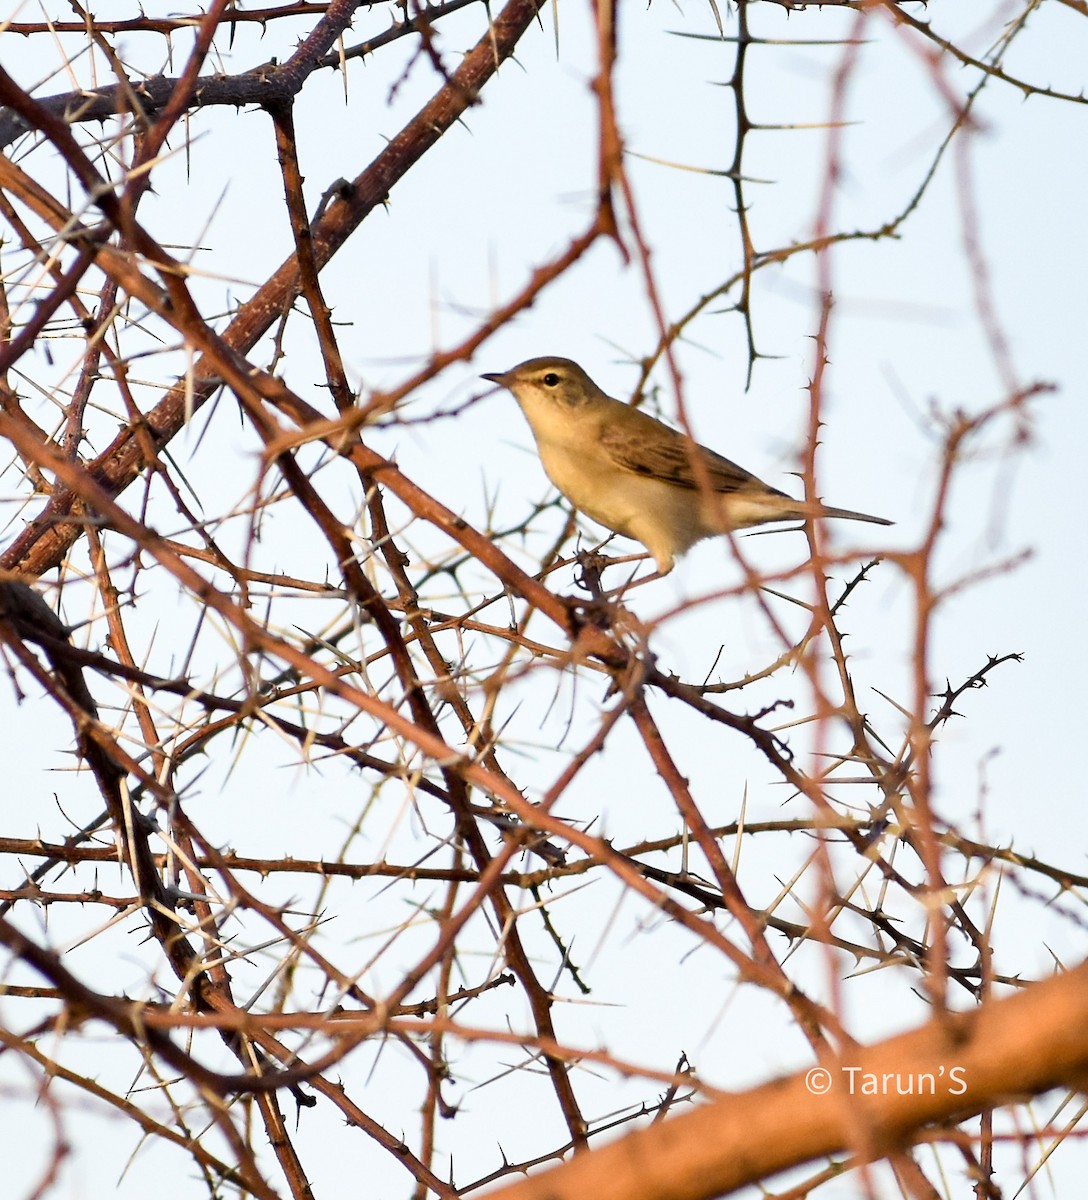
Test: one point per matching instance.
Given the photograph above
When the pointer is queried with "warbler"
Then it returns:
(633, 474)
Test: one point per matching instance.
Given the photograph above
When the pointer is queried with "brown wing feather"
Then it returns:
(670, 459)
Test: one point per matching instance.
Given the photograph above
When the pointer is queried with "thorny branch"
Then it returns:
(346, 620)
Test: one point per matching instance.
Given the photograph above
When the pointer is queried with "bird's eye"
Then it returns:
(551, 379)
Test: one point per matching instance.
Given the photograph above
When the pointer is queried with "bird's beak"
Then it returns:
(499, 378)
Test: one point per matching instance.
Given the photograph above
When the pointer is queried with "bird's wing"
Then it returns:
(671, 459)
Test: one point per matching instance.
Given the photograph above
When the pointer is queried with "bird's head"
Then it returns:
(548, 383)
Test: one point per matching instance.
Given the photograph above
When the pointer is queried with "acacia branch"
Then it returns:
(1015, 1047)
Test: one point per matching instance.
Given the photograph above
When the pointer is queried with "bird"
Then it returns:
(633, 474)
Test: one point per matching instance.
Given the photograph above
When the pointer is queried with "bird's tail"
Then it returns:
(848, 514)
